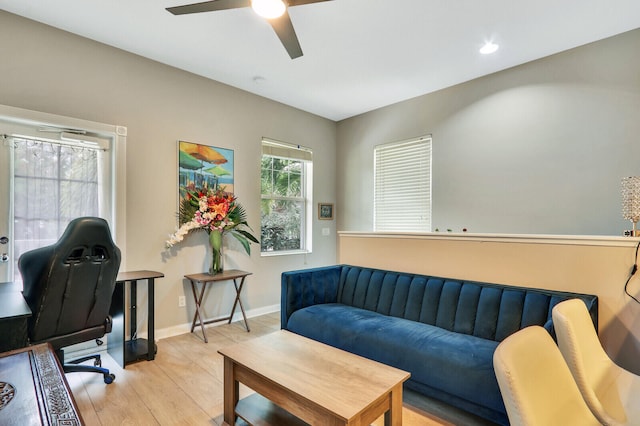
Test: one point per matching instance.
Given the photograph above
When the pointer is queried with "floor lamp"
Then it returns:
(631, 201)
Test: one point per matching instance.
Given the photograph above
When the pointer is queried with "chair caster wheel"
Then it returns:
(109, 378)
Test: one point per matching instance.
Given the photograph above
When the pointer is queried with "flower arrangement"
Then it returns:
(217, 212)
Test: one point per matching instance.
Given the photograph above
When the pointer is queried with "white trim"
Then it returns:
(117, 134)
(284, 252)
(179, 329)
(578, 240)
(87, 348)
(283, 150)
(37, 118)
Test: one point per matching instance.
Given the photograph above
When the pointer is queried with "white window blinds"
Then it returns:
(402, 195)
(283, 150)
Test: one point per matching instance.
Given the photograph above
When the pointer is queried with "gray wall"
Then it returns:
(48, 70)
(539, 148)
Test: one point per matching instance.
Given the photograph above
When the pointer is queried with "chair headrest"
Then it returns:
(85, 238)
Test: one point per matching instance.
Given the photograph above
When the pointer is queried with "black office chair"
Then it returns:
(69, 286)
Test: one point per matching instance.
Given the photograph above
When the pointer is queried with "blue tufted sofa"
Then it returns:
(443, 331)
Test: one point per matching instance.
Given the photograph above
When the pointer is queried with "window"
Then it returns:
(402, 194)
(53, 182)
(52, 169)
(286, 176)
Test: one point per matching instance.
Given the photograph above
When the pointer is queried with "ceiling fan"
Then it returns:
(274, 11)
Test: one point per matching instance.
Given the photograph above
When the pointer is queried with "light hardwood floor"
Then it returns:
(183, 385)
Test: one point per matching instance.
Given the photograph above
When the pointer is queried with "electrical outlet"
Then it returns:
(181, 301)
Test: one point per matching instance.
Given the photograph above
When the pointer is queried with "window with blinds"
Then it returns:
(286, 198)
(402, 194)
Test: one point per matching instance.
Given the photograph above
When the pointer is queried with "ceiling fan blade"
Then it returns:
(287, 35)
(301, 2)
(209, 6)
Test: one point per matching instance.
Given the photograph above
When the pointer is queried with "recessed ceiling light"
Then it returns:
(489, 48)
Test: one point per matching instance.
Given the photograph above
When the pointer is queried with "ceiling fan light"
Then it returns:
(268, 9)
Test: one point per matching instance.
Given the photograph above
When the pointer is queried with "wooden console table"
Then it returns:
(34, 390)
(204, 279)
(135, 349)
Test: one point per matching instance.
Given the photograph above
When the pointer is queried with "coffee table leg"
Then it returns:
(231, 392)
(393, 417)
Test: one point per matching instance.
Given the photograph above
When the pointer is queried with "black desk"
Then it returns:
(14, 314)
(135, 349)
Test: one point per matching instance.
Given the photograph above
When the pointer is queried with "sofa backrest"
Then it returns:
(489, 311)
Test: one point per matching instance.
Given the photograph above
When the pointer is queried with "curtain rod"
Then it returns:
(71, 144)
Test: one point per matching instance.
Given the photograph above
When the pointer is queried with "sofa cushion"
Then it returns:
(455, 363)
(489, 311)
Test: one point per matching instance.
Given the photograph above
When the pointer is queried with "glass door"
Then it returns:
(8, 262)
(48, 177)
(5, 214)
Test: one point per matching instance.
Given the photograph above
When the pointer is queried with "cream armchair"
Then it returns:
(611, 392)
(536, 384)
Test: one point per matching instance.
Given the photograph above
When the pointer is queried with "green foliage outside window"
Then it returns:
(282, 207)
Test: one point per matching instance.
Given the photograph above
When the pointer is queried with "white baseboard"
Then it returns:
(82, 349)
(176, 330)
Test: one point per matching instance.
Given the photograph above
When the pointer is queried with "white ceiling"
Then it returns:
(359, 55)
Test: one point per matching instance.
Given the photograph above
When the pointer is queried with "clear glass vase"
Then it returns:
(217, 257)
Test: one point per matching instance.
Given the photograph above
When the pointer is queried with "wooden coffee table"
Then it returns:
(317, 383)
